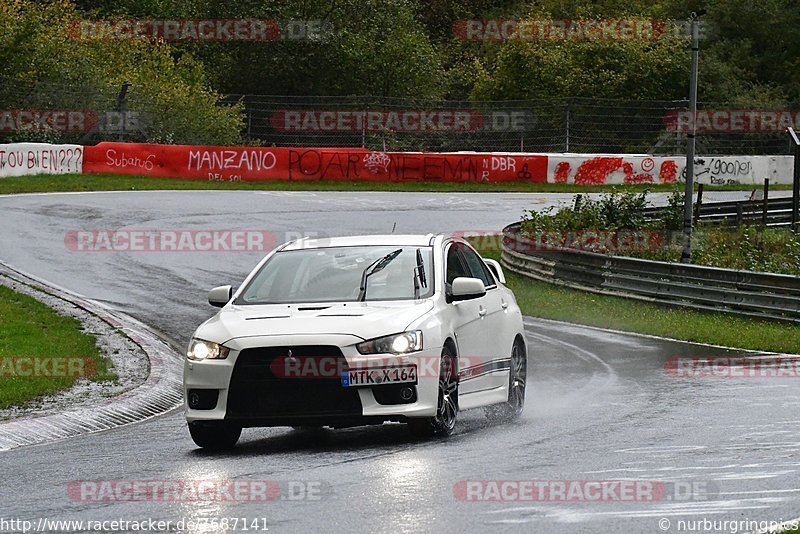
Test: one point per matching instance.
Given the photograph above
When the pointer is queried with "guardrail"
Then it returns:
(768, 212)
(746, 293)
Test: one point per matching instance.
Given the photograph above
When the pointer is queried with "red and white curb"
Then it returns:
(160, 392)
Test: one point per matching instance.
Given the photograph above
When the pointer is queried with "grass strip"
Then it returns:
(550, 301)
(47, 183)
(42, 352)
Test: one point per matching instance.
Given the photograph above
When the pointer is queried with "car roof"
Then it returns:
(415, 240)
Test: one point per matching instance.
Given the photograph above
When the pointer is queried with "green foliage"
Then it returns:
(749, 248)
(749, 56)
(115, 182)
(360, 47)
(602, 225)
(612, 211)
(753, 51)
(672, 217)
(542, 299)
(31, 329)
(644, 70)
(65, 72)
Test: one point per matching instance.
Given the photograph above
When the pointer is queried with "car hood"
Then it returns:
(366, 320)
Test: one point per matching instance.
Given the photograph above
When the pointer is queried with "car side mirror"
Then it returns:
(220, 296)
(465, 288)
(495, 267)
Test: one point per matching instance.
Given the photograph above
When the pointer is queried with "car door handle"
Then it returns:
(504, 304)
(482, 311)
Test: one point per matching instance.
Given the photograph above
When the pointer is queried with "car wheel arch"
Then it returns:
(519, 338)
(449, 343)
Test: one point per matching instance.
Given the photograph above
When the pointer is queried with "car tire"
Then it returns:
(517, 377)
(444, 422)
(214, 435)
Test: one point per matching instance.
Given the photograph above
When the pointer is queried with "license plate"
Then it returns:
(406, 374)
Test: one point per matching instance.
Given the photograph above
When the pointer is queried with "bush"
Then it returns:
(749, 248)
(775, 250)
(613, 211)
(43, 65)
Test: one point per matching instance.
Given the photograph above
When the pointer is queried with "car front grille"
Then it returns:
(259, 389)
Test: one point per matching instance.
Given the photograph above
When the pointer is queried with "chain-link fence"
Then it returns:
(67, 113)
(81, 114)
(584, 125)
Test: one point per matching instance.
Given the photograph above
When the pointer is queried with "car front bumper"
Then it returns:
(215, 377)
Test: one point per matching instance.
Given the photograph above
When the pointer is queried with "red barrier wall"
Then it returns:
(281, 163)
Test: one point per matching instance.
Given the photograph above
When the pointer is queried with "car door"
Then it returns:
(469, 325)
(498, 341)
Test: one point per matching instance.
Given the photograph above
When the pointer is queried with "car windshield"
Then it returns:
(342, 274)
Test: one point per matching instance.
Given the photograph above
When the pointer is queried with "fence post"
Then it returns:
(364, 129)
(566, 146)
(122, 108)
(249, 111)
(765, 203)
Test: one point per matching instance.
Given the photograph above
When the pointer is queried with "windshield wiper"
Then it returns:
(374, 267)
(419, 275)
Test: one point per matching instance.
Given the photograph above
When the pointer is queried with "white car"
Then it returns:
(357, 330)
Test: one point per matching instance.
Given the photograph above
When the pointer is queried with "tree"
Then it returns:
(352, 47)
(548, 66)
(47, 65)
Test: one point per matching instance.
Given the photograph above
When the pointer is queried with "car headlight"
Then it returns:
(394, 344)
(200, 349)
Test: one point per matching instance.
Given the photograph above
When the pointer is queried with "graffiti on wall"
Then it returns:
(599, 170)
(590, 169)
(19, 159)
(284, 163)
(355, 164)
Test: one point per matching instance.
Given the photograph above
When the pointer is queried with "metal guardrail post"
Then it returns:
(686, 253)
(699, 204)
(765, 203)
(796, 178)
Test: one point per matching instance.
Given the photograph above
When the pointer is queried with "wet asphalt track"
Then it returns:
(599, 404)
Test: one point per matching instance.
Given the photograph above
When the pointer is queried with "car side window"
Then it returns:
(477, 268)
(455, 267)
